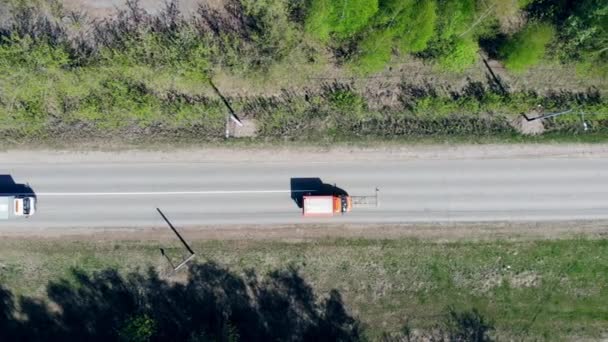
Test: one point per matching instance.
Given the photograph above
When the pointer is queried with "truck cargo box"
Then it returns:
(5, 208)
(318, 205)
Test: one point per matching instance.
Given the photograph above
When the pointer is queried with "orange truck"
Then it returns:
(326, 205)
(336, 204)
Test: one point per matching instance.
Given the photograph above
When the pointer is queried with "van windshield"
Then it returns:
(26, 206)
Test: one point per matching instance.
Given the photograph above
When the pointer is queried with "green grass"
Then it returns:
(139, 102)
(550, 290)
(152, 81)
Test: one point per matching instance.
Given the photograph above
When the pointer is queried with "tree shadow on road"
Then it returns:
(213, 304)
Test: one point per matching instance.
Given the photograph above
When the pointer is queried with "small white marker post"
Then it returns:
(236, 120)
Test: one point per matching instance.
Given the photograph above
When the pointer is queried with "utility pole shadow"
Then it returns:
(495, 78)
(231, 113)
(188, 248)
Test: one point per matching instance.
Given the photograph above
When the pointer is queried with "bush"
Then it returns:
(318, 23)
(375, 51)
(583, 38)
(138, 329)
(454, 44)
(25, 52)
(418, 27)
(117, 102)
(462, 55)
(342, 18)
(455, 18)
(527, 47)
(270, 30)
(146, 74)
(406, 25)
(467, 326)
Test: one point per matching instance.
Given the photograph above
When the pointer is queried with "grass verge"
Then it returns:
(549, 290)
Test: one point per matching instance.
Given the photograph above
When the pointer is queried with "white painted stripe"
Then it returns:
(161, 193)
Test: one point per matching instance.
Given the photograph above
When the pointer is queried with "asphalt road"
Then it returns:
(106, 193)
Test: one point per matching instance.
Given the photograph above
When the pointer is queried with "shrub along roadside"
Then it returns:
(139, 75)
(475, 111)
(109, 102)
(527, 47)
(405, 25)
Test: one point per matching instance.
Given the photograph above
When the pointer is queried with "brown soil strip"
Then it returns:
(296, 233)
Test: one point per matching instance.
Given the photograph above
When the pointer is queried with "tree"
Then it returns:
(527, 47)
(213, 304)
(138, 329)
(454, 44)
(467, 326)
(341, 18)
(462, 54)
(405, 25)
(584, 37)
(418, 27)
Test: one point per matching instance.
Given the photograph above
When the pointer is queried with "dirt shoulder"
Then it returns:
(307, 153)
(454, 232)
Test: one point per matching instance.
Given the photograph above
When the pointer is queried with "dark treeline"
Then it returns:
(213, 304)
(247, 35)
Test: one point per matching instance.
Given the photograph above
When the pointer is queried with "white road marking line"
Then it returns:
(153, 193)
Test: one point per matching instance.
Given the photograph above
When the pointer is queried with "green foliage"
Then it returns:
(153, 76)
(318, 21)
(592, 68)
(405, 25)
(527, 47)
(462, 55)
(375, 51)
(523, 3)
(454, 45)
(25, 52)
(417, 28)
(185, 54)
(138, 329)
(525, 275)
(583, 37)
(468, 326)
(350, 105)
(350, 16)
(119, 102)
(474, 111)
(262, 36)
(272, 35)
(503, 9)
(346, 100)
(455, 18)
(343, 18)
